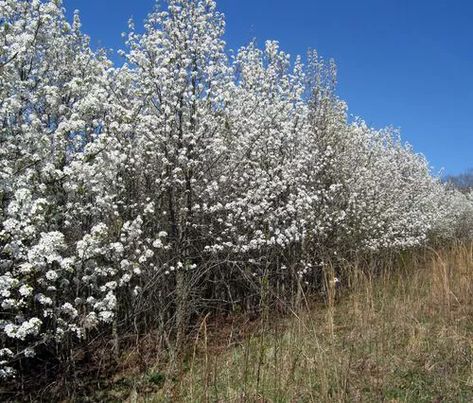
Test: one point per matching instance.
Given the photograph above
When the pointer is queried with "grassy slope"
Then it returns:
(402, 336)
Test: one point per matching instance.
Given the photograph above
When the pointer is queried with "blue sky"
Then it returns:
(406, 63)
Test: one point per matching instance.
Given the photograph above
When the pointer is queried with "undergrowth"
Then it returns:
(402, 335)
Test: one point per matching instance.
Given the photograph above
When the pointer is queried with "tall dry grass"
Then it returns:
(400, 334)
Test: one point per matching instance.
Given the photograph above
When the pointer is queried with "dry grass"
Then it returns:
(405, 335)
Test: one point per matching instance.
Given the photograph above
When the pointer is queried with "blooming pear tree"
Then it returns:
(59, 268)
(184, 180)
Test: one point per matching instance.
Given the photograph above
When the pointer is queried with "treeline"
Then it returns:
(188, 180)
(462, 182)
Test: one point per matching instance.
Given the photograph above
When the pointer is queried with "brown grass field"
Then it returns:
(402, 335)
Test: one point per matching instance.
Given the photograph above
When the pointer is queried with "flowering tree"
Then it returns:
(140, 194)
(57, 263)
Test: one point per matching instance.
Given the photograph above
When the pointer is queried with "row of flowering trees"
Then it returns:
(142, 194)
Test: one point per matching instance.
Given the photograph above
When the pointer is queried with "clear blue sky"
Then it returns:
(406, 63)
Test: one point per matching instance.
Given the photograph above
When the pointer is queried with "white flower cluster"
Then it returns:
(117, 183)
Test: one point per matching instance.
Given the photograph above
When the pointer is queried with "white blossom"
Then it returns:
(115, 181)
